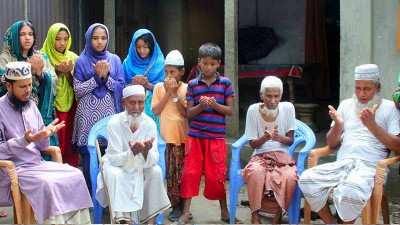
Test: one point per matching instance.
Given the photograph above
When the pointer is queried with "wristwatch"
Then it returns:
(176, 99)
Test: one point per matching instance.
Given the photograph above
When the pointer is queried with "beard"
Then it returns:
(134, 119)
(17, 104)
(357, 107)
(270, 112)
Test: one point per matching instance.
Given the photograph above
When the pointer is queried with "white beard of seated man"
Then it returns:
(133, 178)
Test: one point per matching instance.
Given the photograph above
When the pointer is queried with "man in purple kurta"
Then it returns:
(55, 191)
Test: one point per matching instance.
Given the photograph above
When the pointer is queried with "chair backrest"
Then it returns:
(303, 133)
(98, 130)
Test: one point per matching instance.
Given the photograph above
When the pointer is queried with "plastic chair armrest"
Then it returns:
(15, 192)
(317, 153)
(236, 147)
(381, 167)
(9, 165)
(54, 152)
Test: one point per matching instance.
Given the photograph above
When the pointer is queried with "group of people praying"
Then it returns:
(53, 97)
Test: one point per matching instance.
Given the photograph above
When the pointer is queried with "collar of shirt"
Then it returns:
(218, 76)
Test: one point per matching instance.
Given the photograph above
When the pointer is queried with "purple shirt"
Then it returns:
(13, 125)
(51, 188)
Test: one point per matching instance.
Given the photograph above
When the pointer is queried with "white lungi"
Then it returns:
(352, 181)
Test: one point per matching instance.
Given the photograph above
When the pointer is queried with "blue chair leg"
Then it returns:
(233, 199)
(98, 213)
(159, 219)
(294, 208)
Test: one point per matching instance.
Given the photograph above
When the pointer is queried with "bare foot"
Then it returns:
(255, 221)
(278, 217)
(185, 216)
(255, 218)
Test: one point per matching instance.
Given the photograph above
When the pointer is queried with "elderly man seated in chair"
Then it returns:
(57, 192)
(132, 176)
(271, 174)
(364, 128)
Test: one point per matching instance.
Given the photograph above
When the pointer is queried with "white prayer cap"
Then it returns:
(174, 58)
(271, 82)
(366, 72)
(18, 70)
(133, 90)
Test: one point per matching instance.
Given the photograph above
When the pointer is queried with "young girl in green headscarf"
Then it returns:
(56, 46)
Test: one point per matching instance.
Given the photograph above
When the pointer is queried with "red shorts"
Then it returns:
(210, 154)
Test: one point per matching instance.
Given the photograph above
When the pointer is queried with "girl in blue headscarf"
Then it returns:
(98, 84)
(144, 65)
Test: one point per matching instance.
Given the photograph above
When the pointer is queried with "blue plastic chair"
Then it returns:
(302, 134)
(99, 130)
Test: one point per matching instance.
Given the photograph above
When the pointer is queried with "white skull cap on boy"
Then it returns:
(366, 72)
(133, 90)
(18, 70)
(174, 58)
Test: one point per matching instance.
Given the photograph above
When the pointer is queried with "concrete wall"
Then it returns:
(369, 35)
(170, 32)
(287, 18)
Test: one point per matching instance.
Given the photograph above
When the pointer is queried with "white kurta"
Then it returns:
(123, 171)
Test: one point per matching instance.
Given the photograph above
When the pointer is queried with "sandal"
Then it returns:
(3, 214)
(174, 215)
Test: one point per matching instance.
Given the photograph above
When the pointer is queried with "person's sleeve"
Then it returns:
(116, 155)
(156, 95)
(153, 155)
(118, 83)
(394, 122)
(291, 118)
(250, 132)
(229, 90)
(11, 147)
(48, 68)
(190, 92)
(83, 87)
(184, 102)
(3, 89)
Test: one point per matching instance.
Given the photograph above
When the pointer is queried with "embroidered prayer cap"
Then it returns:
(133, 90)
(174, 58)
(18, 70)
(366, 72)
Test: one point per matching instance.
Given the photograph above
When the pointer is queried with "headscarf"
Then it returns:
(65, 92)
(134, 64)
(11, 41)
(84, 69)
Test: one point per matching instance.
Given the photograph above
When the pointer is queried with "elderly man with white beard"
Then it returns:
(271, 174)
(133, 178)
(365, 128)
